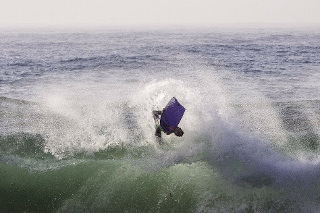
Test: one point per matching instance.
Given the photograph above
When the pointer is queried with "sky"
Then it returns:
(156, 12)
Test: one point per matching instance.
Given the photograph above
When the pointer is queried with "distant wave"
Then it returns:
(14, 100)
(26, 63)
(113, 60)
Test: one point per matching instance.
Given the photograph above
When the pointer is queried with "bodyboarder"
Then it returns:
(167, 120)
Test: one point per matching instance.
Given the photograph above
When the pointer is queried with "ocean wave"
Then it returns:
(14, 100)
(115, 61)
(24, 145)
(87, 144)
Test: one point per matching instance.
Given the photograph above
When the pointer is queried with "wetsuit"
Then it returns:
(157, 117)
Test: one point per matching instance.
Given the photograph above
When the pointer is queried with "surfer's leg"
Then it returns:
(159, 140)
(156, 117)
(158, 132)
(158, 135)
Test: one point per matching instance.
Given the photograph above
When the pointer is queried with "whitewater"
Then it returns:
(77, 133)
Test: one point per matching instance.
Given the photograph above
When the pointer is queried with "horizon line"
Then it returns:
(228, 25)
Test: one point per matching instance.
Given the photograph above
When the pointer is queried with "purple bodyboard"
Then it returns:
(172, 115)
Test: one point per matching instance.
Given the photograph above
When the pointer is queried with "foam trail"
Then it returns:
(247, 146)
(248, 160)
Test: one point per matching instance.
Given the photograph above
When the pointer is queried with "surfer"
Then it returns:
(156, 116)
(168, 119)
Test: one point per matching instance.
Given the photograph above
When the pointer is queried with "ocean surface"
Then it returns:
(77, 133)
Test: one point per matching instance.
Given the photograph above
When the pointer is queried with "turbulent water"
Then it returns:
(77, 133)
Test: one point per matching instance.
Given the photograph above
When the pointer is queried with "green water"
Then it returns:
(124, 184)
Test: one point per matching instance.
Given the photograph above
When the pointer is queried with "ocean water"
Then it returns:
(77, 133)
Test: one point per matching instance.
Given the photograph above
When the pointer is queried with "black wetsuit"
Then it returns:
(157, 116)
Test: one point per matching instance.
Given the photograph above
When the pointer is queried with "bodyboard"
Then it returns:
(171, 115)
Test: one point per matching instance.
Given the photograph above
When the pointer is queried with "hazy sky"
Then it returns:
(150, 12)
